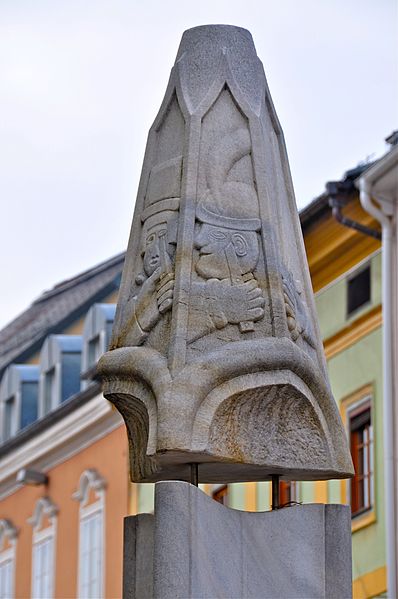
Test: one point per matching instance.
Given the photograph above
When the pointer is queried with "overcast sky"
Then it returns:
(82, 80)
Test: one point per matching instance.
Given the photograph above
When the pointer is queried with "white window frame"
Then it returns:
(44, 507)
(11, 388)
(50, 359)
(91, 480)
(95, 327)
(9, 533)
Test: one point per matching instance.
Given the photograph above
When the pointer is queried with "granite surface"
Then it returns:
(216, 356)
(202, 549)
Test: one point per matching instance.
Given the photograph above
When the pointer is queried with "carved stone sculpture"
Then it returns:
(216, 356)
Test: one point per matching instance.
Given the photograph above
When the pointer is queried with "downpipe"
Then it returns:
(388, 410)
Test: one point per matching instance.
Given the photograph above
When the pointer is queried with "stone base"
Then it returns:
(194, 547)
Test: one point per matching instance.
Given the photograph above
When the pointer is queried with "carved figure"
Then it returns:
(228, 246)
(153, 296)
(216, 358)
(296, 311)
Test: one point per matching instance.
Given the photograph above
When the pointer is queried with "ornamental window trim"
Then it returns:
(90, 480)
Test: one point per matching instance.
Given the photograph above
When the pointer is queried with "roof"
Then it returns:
(320, 205)
(57, 308)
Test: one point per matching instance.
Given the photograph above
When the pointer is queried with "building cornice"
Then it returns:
(362, 326)
(49, 419)
(57, 443)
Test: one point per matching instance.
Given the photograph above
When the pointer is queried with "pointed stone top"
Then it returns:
(206, 39)
(208, 52)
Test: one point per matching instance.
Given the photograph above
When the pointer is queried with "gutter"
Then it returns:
(339, 192)
(383, 214)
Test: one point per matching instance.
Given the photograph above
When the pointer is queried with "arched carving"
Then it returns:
(90, 479)
(44, 507)
(8, 532)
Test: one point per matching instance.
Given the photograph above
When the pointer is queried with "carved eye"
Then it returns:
(218, 235)
(150, 239)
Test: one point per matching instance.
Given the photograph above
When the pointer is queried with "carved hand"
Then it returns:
(164, 292)
(154, 298)
(239, 303)
(146, 305)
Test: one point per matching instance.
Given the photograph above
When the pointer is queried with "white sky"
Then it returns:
(82, 80)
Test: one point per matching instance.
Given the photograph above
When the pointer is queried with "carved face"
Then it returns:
(211, 242)
(152, 249)
(216, 244)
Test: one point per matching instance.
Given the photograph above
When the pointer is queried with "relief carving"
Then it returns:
(216, 358)
(226, 291)
(298, 321)
(152, 297)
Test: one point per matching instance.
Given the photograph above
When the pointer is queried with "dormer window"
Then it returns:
(96, 337)
(60, 365)
(49, 389)
(94, 351)
(19, 398)
(9, 411)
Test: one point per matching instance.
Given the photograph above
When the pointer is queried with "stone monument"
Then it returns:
(216, 357)
(216, 362)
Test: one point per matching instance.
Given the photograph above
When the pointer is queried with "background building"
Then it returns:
(62, 537)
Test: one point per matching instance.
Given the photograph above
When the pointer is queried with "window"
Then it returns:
(42, 568)
(9, 409)
(220, 494)
(91, 496)
(287, 492)
(358, 290)
(44, 522)
(60, 365)
(96, 338)
(8, 537)
(49, 389)
(29, 392)
(361, 445)
(91, 554)
(94, 351)
(70, 378)
(19, 398)
(6, 573)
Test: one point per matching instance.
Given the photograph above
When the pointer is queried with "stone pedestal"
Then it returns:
(194, 547)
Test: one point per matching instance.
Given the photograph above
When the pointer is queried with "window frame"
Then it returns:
(9, 533)
(90, 480)
(11, 389)
(291, 487)
(11, 400)
(44, 507)
(53, 349)
(95, 329)
(220, 491)
(368, 474)
(363, 396)
(367, 303)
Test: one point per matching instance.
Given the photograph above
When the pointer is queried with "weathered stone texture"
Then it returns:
(216, 355)
(203, 549)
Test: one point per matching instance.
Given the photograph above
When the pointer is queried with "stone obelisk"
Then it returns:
(216, 357)
(216, 362)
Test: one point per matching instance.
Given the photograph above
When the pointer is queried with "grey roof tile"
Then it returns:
(54, 308)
